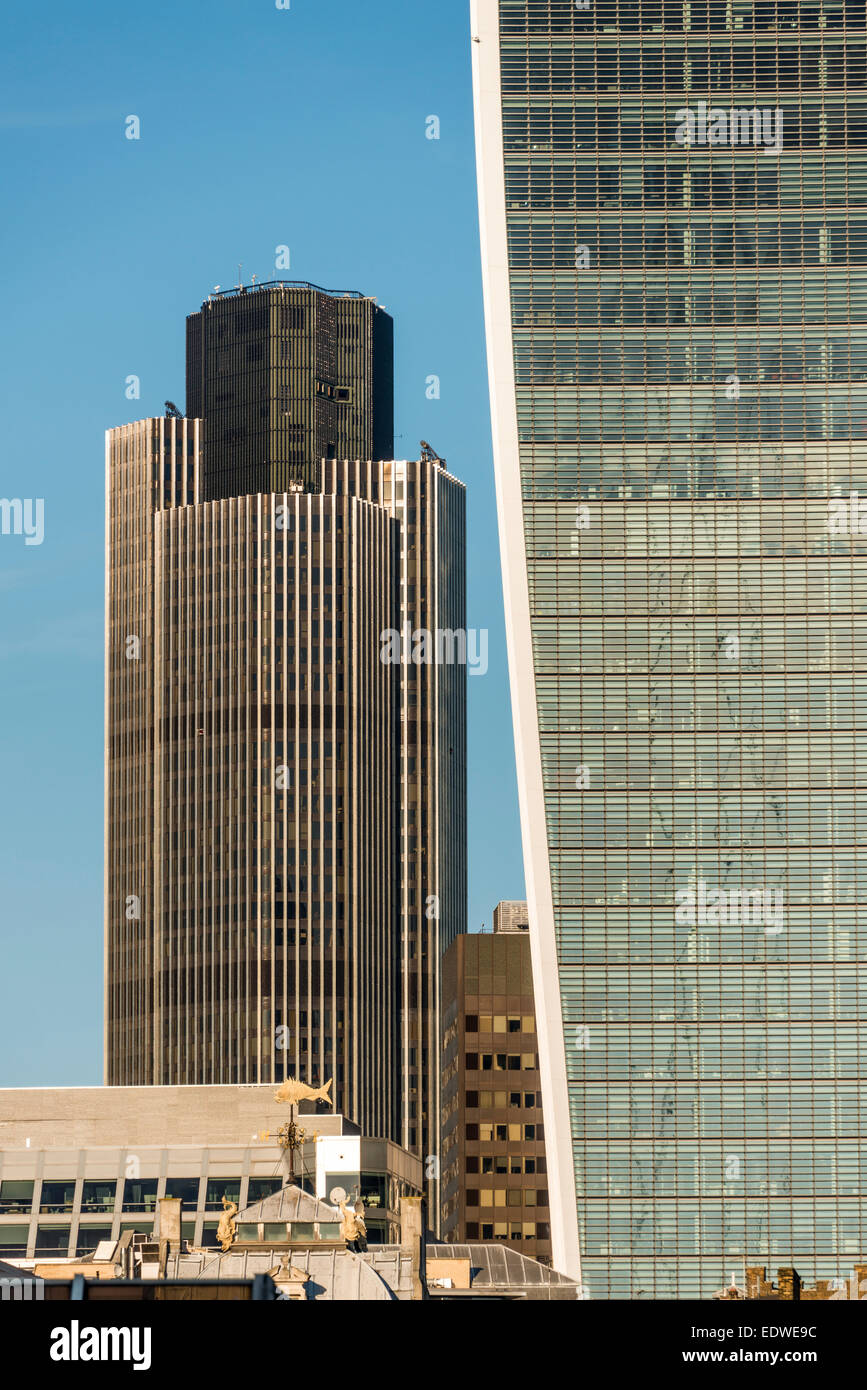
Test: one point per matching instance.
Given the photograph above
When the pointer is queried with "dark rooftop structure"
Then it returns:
(283, 375)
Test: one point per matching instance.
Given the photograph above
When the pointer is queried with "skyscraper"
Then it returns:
(430, 507)
(284, 375)
(285, 805)
(675, 266)
(253, 743)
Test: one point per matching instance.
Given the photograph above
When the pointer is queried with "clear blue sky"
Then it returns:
(259, 127)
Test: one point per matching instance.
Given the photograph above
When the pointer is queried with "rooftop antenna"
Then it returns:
(429, 454)
(240, 281)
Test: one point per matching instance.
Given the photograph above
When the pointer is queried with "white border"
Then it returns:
(504, 420)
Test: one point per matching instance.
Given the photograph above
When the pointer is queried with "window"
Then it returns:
(89, 1238)
(260, 1188)
(349, 1182)
(58, 1196)
(218, 1188)
(472, 1100)
(16, 1196)
(140, 1195)
(52, 1240)
(97, 1196)
(13, 1240)
(472, 1196)
(276, 1231)
(185, 1188)
(373, 1190)
(514, 1025)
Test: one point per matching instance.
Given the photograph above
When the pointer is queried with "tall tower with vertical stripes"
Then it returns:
(285, 808)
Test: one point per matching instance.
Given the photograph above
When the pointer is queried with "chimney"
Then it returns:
(755, 1279)
(789, 1283)
(412, 1241)
(170, 1223)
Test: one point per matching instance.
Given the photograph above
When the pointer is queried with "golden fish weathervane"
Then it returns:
(291, 1092)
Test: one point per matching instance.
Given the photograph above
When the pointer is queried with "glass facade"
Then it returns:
(681, 191)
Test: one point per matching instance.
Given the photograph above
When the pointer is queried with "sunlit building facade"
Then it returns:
(252, 760)
(430, 506)
(674, 239)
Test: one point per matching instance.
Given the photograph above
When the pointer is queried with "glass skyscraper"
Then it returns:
(674, 239)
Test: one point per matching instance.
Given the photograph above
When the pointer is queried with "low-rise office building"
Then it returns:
(84, 1165)
(494, 1177)
(292, 1246)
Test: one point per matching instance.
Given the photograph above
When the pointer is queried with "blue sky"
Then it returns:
(259, 128)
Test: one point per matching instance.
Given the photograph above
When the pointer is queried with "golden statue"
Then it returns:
(292, 1091)
(227, 1226)
(353, 1227)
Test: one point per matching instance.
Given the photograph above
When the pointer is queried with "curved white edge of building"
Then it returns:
(485, 45)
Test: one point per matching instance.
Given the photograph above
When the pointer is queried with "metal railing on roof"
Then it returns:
(238, 290)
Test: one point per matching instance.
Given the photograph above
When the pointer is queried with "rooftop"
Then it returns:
(237, 290)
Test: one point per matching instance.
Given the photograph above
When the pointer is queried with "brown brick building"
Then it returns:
(494, 1183)
(789, 1287)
